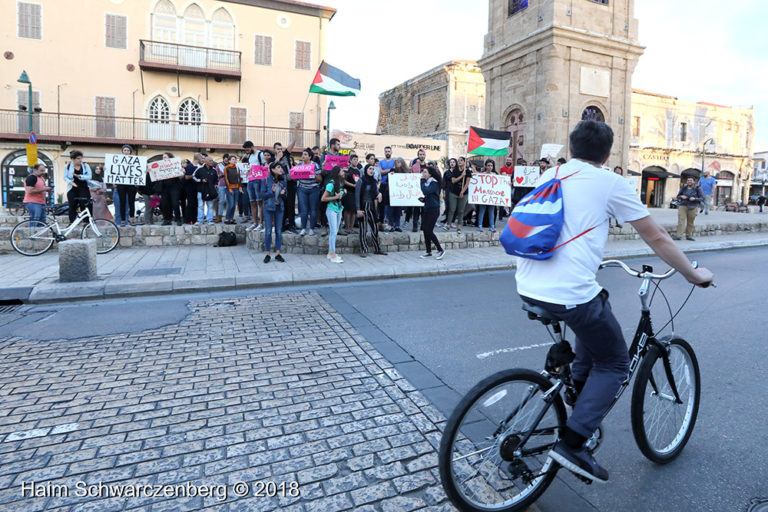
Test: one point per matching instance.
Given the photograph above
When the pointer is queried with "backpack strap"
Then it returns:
(572, 239)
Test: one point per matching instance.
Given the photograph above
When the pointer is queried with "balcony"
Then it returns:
(165, 134)
(193, 60)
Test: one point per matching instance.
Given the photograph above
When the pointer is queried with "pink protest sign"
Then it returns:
(333, 160)
(303, 172)
(258, 172)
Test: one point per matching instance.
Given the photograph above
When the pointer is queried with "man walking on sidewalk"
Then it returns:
(708, 185)
(690, 197)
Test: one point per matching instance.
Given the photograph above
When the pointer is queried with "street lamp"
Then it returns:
(331, 106)
(703, 150)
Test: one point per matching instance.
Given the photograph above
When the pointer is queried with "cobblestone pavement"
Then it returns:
(233, 393)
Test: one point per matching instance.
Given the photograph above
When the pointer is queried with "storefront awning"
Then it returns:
(661, 174)
(633, 173)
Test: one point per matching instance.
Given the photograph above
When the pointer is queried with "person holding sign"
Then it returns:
(458, 197)
(332, 195)
(274, 191)
(76, 174)
(431, 184)
(366, 196)
(309, 194)
(395, 213)
(351, 177)
(483, 209)
(255, 157)
(127, 195)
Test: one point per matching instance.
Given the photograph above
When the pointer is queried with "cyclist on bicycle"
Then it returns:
(566, 284)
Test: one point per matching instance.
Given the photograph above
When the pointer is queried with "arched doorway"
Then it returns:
(593, 113)
(690, 173)
(654, 181)
(724, 190)
(14, 171)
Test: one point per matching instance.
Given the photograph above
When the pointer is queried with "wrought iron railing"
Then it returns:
(100, 129)
(184, 57)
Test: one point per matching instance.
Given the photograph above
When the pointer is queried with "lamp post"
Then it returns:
(331, 106)
(703, 151)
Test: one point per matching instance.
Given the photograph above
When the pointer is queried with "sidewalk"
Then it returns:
(145, 271)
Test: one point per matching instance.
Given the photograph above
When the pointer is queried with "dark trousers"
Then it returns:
(127, 194)
(289, 219)
(369, 222)
(428, 220)
(601, 358)
(190, 205)
(77, 197)
(322, 217)
(413, 212)
(171, 204)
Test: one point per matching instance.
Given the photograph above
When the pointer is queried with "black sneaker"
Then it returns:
(690, 238)
(675, 237)
(279, 258)
(578, 461)
(440, 255)
(267, 258)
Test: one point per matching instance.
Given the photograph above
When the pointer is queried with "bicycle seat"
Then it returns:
(539, 313)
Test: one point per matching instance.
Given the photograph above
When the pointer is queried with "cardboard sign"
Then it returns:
(125, 169)
(303, 172)
(550, 150)
(258, 172)
(526, 176)
(405, 190)
(334, 160)
(244, 170)
(491, 189)
(165, 169)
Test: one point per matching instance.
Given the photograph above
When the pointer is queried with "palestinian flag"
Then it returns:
(488, 142)
(334, 82)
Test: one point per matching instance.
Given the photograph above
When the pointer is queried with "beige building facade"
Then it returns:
(440, 103)
(178, 75)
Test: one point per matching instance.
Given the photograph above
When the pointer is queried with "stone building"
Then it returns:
(440, 103)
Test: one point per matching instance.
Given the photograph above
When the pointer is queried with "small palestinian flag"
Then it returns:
(334, 82)
(487, 142)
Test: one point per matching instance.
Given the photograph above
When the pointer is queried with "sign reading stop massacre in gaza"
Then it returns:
(491, 189)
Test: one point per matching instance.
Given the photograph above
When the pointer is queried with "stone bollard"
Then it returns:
(77, 261)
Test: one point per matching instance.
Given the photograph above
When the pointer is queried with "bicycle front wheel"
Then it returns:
(105, 232)
(32, 237)
(485, 463)
(661, 424)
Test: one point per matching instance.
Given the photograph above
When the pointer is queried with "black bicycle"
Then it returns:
(494, 450)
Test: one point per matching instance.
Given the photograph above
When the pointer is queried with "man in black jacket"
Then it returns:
(207, 180)
(690, 198)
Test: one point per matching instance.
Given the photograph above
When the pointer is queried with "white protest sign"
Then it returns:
(526, 176)
(550, 150)
(165, 169)
(244, 169)
(125, 169)
(491, 189)
(405, 190)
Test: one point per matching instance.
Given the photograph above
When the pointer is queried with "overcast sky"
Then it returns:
(697, 50)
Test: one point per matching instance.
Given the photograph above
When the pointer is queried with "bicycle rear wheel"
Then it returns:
(660, 424)
(479, 468)
(107, 237)
(32, 237)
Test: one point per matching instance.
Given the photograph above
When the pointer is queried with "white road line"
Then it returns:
(484, 355)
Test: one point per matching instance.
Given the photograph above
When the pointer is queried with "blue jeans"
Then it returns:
(36, 211)
(309, 199)
(204, 207)
(233, 196)
(253, 191)
(222, 201)
(334, 221)
(274, 219)
(481, 210)
(116, 204)
(393, 216)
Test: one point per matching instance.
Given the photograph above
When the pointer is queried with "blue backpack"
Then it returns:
(536, 222)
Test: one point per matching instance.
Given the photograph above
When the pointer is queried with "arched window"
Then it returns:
(189, 112)
(222, 35)
(194, 26)
(164, 22)
(592, 113)
(515, 124)
(159, 111)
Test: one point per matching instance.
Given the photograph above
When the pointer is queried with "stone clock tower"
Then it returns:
(548, 64)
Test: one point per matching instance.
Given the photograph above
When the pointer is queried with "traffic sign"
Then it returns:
(32, 138)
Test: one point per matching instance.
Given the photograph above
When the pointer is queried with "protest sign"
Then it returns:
(244, 170)
(303, 172)
(258, 172)
(333, 160)
(125, 169)
(550, 150)
(405, 190)
(491, 189)
(165, 169)
(526, 176)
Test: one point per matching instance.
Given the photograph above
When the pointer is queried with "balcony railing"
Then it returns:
(77, 128)
(182, 58)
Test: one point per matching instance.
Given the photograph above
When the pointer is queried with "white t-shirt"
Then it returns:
(590, 198)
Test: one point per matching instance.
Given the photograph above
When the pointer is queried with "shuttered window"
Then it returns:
(238, 117)
(22, 100)
(30, 20)
(263, 50)
(116, 31)
(105, 116)
(303, 55)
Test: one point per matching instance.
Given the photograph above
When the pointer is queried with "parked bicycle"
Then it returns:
(33, 237)
(494, 450)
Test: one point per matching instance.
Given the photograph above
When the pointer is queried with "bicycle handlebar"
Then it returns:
(641, 274)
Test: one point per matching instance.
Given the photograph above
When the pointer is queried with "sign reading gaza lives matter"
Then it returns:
(125, 169)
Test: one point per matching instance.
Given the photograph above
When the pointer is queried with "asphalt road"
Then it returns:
(446, 333)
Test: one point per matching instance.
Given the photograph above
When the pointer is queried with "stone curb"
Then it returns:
(55, 292)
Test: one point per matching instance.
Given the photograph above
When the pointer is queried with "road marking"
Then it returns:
(484, 355)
